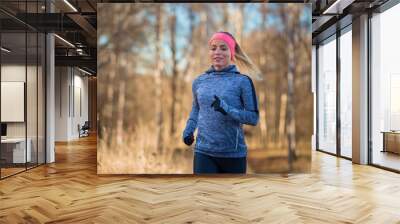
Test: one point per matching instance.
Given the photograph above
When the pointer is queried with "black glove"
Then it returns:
(188, 140)
(217, 105)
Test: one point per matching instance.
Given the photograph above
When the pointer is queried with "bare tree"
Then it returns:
(290, 16)
(225, 16)
(174, 81)
(263, 64)
(158, 78)
(239, 20)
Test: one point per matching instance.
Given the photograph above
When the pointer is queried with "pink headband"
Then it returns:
(227, 39)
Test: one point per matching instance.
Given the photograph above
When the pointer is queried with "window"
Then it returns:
(23, 79)
(327, 96)
(346, 92)
(385, 88)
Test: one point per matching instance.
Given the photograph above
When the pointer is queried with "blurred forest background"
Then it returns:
(148, 56)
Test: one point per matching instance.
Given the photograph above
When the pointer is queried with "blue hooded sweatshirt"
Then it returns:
(222, 135)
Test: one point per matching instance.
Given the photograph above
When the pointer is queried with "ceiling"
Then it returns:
(330, 15)
(72, 20)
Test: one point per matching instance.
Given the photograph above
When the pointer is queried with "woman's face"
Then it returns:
(219, 54)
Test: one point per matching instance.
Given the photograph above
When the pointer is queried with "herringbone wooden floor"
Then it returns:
(69, 191)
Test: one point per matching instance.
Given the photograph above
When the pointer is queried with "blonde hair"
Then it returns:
(244, 61)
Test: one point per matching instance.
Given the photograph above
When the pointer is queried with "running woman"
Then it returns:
(223, 100)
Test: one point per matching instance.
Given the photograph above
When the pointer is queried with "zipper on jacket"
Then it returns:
(237, 137)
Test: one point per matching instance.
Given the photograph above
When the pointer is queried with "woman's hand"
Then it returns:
(217, 105)
(188, 140)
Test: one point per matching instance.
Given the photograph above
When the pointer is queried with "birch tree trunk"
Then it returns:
(277, 115)
(288, 16)
(174, 73)
(120, 113)
(263, 63)
(263, 122)
(282, 119)
(158, 81)
(291, 124)
(239, 23)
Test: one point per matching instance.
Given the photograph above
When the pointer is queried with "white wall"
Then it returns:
(33, 126)
(61, 103)
(12, 73)
(70, 84)
(81, 89)
(12, 100)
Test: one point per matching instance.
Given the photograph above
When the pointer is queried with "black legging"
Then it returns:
(203, 163)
